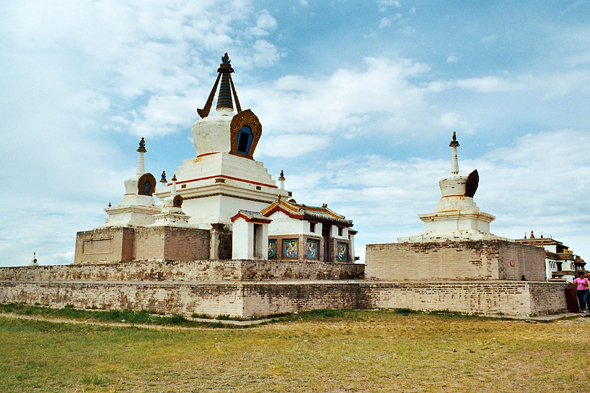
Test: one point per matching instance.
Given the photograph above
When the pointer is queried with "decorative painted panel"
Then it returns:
(290, 249)
(313, 249)
(342, 252)
(272, 248)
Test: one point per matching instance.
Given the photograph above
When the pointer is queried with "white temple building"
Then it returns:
(456, 216)
(223, 197)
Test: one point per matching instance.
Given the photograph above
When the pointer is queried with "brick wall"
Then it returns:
(187, 271)
(512, 298)
(173, 298)
(104, 245)
(465, 260)
(274, 298)
(246, 299)
(124, 244)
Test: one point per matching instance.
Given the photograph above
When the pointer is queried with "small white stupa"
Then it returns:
(456, 216)
(171, 208)
(137, 207)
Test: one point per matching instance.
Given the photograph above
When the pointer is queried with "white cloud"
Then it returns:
(488, 39)
(488, 84)
(385, 22)
(347, 100)
(451, 58)
(572, 7)
(388, 3)
(538, 183)
(264, 25)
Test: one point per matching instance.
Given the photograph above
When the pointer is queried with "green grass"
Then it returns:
(319, 351)
(125, 316)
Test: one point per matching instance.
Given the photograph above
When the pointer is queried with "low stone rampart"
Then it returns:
(513, 298)
(250, 298)
(187, 271)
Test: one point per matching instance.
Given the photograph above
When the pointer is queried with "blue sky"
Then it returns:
(358, 101)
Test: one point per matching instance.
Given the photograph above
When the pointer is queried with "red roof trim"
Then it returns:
(280, 208)
(207, 154)
(254, 220)
(227, 177)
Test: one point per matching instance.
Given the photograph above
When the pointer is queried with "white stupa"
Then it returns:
(456, 216)
(224, 177)
(137, 207)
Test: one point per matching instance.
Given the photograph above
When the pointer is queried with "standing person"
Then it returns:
(581, 284)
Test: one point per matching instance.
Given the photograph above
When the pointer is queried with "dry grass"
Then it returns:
(354, 351)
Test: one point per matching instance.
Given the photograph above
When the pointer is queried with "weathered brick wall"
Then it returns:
(123, 244)
(263, 298)
(173, 298)
(171, 243)
(187, 271)
(529, 261)
(548, 297)
(104, 245)
(298, 270)
(274, 298)
(512, 298)
(466, 260)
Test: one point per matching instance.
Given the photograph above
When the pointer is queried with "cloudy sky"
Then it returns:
(358, 101)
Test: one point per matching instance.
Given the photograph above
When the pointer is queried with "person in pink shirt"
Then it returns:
(581, 284)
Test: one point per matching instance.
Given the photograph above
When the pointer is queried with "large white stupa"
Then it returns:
(224, 177)
(456, 216)
(219, 205)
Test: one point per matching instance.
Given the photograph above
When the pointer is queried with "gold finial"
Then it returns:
(142, 148)
(174, 177)
(454, 142)
(163, 179)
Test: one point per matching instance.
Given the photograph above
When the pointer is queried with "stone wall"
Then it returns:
(513, 298)
(454, 260)
(124, 244)
(104, 245)
(165, 297)
(246, 299)
(274, 298)
(171, 243)
(187, 271)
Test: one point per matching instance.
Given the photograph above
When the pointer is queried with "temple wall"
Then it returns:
(124, 244)
(187, 271)
(454, 260)
(512, 298)
(246, 299)
(169, 298)
(105, 245)
(266, 299)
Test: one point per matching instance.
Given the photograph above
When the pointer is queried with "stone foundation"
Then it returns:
(245, 288)
(512, 298)
(455, 260)
(187, 271)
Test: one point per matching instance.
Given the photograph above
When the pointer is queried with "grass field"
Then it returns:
(344, 351)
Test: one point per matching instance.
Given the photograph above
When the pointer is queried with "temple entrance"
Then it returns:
(326, 229)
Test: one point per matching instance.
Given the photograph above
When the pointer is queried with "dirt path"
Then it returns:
(139, 325)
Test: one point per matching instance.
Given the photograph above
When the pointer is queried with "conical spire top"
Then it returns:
(226, 90)
(454, 160)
